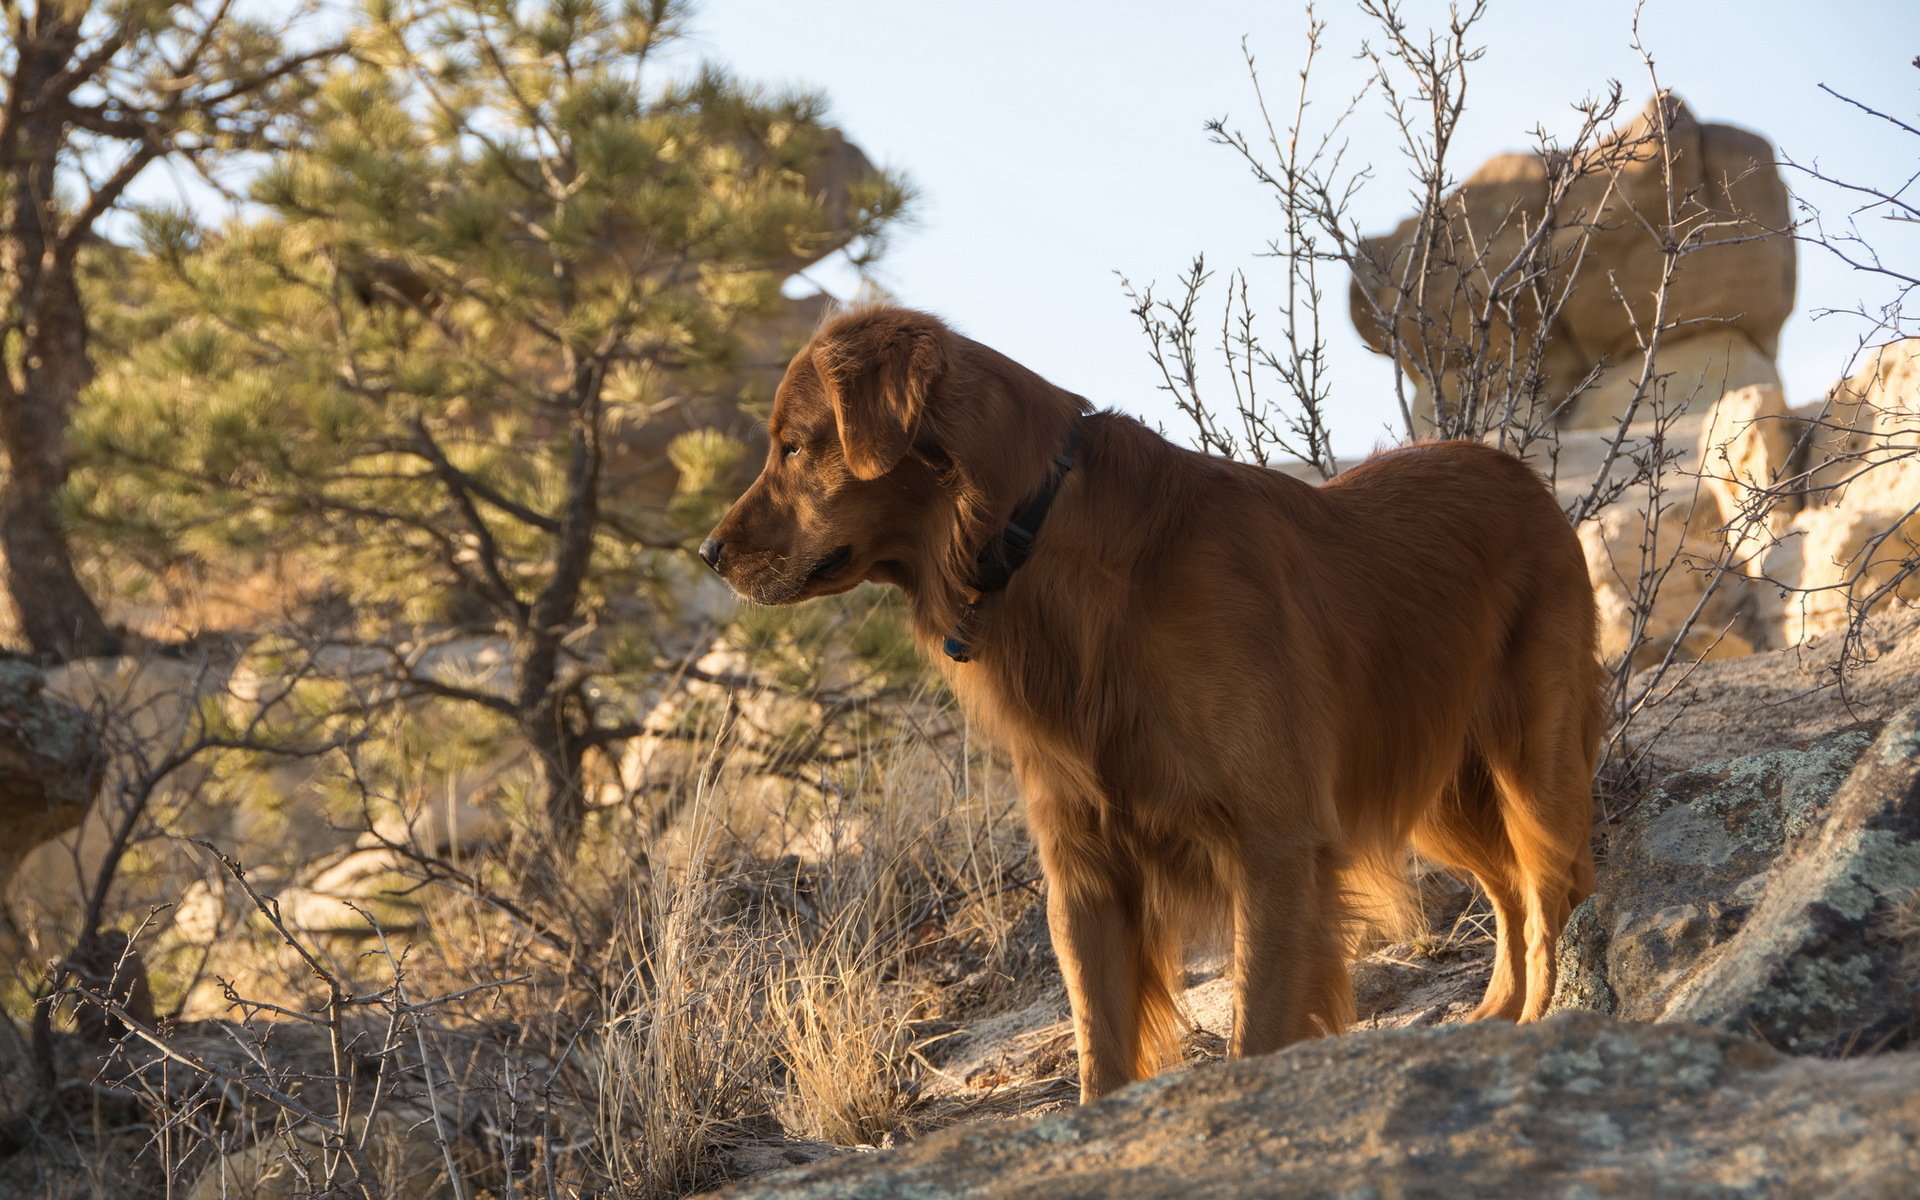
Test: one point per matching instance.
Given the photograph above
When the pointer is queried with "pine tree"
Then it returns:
(501, 242)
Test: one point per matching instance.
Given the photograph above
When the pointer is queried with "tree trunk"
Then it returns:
(56, 616)
(558, 755)
(46, 335)
(554, 725)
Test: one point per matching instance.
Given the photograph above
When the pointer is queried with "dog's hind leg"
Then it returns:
(1465, 831)
(1546, 803)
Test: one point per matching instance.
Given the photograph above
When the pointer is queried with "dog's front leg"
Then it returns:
(1290, 970)
(1095, 939)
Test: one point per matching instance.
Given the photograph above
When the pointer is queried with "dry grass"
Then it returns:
(780, 988)
(1899, 923)
(733, 968)
(686, 1058)
(845, 1043)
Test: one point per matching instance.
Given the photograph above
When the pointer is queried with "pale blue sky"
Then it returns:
(1056, 143)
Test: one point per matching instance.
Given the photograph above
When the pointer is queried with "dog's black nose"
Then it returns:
(713, 552)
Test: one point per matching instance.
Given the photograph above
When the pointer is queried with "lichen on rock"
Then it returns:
(1747, 895)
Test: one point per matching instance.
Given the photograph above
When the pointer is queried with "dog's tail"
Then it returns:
(1167, 916)
(1162, 1024)
(1379, 903)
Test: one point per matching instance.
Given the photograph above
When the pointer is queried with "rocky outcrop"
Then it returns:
(1759, 896)
(1872, 415)
(1654, 585)
(1775, 893)
(1579, 1105)
(49, 756)
(399, 1147)
(1745, 449)
(1724, 710)
(274, 817)
(1685, 870)
(1777, 525)
(1731, 293)
(1854, 544)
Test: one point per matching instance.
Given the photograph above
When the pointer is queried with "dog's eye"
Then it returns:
(789, 449)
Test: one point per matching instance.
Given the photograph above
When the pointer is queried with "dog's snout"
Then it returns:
(713, 552)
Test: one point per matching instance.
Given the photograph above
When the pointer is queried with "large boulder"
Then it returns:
(1853, 550)
(1775, 526)
(142, 709)
(1730, 294)
(400, 1148)
(1579, 1105)
(49, 764)
(1872, 416)
(1837, 563)
(1744, 457)
(1685, 869)
(1763, 896)
(1656, 584)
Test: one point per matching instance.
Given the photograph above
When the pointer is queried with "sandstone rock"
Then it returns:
(1734, 290)
(1793, 572)
(1701, 916)
(1837, 561)
(1873, 416)
(1854, 547)
(1690, 373)
(723, 699)
(1783, 698)
(1720, 186)
(150, 708)
(137, 709)
(49, 764)
(1576, 1106)
(1494, 210)
(1580, 454)
(1620, 550)
(1745, 452)
(400, 1149)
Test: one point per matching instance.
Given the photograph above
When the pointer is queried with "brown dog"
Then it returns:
(1226, 693)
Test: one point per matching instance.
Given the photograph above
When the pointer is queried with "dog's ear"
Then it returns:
(880, 366)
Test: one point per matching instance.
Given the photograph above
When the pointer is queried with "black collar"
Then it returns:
(1004, 554)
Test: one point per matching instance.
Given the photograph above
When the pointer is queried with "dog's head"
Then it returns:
(841, 498)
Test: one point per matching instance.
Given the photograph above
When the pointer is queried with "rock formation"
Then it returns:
(48, 761)
(1766, 896)
(1809, 516)
(1577, 1106)
(1853, 543)
(1754, 946)
(1735, 289)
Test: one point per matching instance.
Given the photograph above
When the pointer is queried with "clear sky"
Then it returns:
(1057, 143)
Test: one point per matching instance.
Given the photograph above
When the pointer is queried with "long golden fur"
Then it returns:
(1225, 692)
